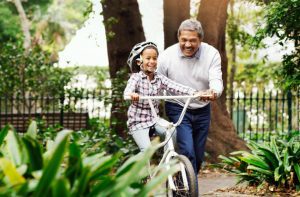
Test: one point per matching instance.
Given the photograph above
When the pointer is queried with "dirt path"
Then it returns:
(210, 182)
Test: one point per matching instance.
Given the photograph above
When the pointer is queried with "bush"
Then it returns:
(62, 168)
(276, 163)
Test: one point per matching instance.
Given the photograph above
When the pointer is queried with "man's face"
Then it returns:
(189, 42)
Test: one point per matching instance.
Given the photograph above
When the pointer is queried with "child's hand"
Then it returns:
(134, 97)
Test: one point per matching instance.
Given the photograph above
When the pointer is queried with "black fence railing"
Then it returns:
(261, 114)
(256, 116)
(71, 111)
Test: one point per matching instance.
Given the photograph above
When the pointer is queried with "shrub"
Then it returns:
(276, 163)
(62, 168)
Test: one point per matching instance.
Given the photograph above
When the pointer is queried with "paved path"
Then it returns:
(208, 184)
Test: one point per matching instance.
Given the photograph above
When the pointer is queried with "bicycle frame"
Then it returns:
(169, 151)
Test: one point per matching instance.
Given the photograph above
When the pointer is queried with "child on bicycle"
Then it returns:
(145, 81)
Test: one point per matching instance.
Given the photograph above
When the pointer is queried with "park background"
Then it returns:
(65, 68)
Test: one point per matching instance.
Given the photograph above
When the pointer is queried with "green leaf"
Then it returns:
(81, 183)
(286, 164)
(269, 155)
(260, 170)
(34, 153)
(3, 134)
(13, 148)
(61, 187)
(54, 163)
(255, 160)
(32, 130)
(277, 175)
(297, 170)
(158, 180)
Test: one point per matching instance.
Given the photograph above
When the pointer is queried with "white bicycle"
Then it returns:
(182, 183)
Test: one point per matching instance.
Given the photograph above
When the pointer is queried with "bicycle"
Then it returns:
(182, 183)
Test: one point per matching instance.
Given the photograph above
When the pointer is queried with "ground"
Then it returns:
(214, 182)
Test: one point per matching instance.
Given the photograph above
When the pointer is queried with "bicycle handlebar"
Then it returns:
(163, 97)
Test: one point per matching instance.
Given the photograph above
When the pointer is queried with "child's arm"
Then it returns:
(131, 88)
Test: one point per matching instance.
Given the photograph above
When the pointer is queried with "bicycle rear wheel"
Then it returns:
(178, 180)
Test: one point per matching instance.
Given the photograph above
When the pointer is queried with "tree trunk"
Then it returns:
(123, 25)
(175, 11)
(232, 39)
(24, 23)
(223, 138)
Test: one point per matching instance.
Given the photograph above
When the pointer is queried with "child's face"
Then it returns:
(149, 57)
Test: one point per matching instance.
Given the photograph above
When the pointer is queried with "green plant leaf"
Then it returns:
(297, 170)
(32, 130)
(10, 171)
(269, 155)
(277, 174)
(260, 170)
(14, 148)
(34, 153)
(3, 133)
(255, 160)
(51, 169)
(286, 164)
(60, 187)
(158, 180)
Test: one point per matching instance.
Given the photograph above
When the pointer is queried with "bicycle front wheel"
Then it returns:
(178, 179)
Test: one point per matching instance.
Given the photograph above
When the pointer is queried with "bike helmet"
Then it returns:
(135, 54)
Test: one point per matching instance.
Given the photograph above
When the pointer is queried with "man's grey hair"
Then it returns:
(191, 25)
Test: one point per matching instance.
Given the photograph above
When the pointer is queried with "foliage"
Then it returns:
(275, 163)
(257, 74)
(62, 168)
(119, 108)
(52, 22)
(282, 21)
(9, 24)
(33, 73)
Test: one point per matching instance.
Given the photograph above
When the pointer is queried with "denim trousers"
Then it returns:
(192, 132)
(141, 136)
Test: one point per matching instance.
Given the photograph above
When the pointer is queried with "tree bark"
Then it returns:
(175, 11)
(222, 138)
(24, 23)
(123, 25)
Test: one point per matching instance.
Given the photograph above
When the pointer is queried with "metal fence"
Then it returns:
(261, 114)
(256, 115)
(71, 111)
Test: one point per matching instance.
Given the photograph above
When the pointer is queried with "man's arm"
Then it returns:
(215, 77)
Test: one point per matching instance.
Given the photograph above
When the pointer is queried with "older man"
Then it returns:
(196, 64)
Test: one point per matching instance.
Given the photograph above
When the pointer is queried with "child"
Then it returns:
(145, 81)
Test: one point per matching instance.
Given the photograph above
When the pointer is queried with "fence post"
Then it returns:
(62, 99)
(289, 104)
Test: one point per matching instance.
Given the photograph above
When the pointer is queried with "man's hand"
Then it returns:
(208, 95)
(134, 97)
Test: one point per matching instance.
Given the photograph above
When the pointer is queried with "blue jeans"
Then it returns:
(192, 132)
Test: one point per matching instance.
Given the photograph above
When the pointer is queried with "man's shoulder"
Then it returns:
(207, 47)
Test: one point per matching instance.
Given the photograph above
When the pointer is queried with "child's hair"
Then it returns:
(136, 53)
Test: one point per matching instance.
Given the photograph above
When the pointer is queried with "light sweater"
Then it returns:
(201, 72)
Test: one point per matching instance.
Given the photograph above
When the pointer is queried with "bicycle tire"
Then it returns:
(177, 178)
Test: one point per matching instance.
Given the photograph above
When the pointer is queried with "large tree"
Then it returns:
(175, 11)
(123, 25)
(222, 136)
(213, 16)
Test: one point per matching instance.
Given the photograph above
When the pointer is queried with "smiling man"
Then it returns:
(196, 64)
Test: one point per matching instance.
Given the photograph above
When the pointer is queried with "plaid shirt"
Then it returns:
(139, 113)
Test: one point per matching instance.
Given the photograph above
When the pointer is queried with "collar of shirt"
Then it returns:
(144, 76)
(196, 55)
